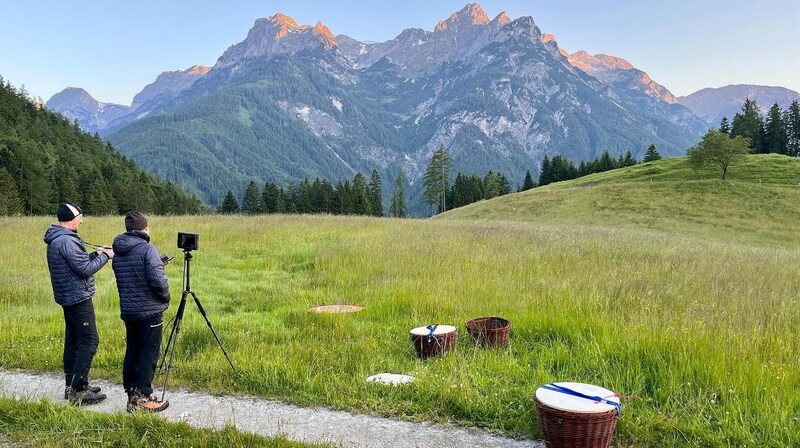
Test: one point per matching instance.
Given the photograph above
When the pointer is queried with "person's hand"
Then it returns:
(109, 252)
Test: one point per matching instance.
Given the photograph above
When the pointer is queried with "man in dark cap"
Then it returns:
(72, 271)
(143, 298)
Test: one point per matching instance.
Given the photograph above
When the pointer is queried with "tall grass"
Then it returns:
(700, 333)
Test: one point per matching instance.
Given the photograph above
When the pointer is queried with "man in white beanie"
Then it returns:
(72, 271)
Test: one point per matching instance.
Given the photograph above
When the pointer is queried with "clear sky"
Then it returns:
(114, 48)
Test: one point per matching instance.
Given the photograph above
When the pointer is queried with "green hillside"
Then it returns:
(758, 202)
(45, 160)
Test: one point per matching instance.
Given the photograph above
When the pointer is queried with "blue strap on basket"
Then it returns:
(567, 391)
(431, 329)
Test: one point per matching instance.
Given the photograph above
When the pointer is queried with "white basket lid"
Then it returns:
(440, 329)
(565, 402)
(391, 378)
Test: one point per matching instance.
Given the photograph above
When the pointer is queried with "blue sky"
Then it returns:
(113, 49)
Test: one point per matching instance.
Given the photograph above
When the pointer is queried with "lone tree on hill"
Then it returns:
(651, 154)
(718, 149)
(437, 179)
(229, 205)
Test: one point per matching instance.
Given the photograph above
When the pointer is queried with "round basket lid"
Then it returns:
(327, 309)
(391, 378)
(562, 400)
(440, 329)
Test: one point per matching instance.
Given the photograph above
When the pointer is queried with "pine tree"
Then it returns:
(652, 154)
(749, 124)
(491, 185)
(398, 206)
(361, 202)
(229, 205)
(775, 131)
(270, 197)
(251, 202)
(606, 162)
(629, 160)
(527, 184)
(375, 194)
(792, 120)
(545, 174)
(724, 126)
(437, 179)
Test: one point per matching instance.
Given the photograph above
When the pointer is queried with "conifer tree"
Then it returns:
(229, 205)
(775, 131)
(527, 183)
(437, 179)
(606, 162)
(361, 202)
(652, 154)
(398, 206)
(546, 174)
(375, 194)
(269, 197)
(792, 120)
(724, 126)
(251, 202)
(749, 124)
(628, 160)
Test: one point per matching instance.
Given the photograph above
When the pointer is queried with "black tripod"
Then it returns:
(169, 350)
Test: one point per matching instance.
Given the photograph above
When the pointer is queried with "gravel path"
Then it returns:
(272, 418)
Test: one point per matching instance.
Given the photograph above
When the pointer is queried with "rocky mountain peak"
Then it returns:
(470, 15)
(592, 63)
(324, 35)
(502, 19)
(198, 70)
(282, 20)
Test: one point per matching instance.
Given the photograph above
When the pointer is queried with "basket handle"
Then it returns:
(567, 391)
(431, 329)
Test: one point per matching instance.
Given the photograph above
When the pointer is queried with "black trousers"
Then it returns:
(80, 343)
(143, 346)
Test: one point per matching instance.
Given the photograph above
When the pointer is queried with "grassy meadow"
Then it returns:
(677, 290)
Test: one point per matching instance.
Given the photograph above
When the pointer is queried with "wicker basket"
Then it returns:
(489, 331)
(565, 429)
(440, 342)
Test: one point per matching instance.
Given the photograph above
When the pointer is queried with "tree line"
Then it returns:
(777, 132)
(46, 160)
(358, 197)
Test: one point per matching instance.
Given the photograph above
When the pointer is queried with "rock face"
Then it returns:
(277, 35)
(169, 84)
(293, 101)
(713, 104)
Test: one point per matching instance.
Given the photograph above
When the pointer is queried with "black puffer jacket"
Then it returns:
(72, 269)
(141, 281)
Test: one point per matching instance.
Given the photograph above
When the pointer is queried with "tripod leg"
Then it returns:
(208, 322)
(169, 350)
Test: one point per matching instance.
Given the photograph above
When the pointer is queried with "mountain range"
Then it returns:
(713, 104)
(293, 101)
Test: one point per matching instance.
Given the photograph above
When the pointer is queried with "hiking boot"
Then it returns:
(67, 389)
(84, 397)
(143, 403)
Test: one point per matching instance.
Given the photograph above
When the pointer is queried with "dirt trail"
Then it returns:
(272, 418)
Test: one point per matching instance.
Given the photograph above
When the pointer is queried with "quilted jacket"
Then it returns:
(141, 280)
(72, 269)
